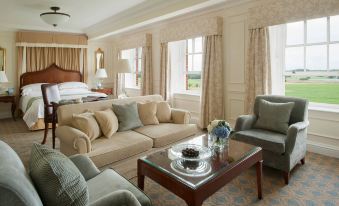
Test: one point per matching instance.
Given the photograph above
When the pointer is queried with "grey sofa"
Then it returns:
(105, 188)
(280, 151)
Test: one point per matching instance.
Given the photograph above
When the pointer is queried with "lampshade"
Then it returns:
(3, 77)
(101, 73)
(123, 66)
(54, 18)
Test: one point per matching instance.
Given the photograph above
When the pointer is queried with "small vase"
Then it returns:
(219, 143)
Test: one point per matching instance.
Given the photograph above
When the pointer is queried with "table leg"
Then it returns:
(13, 108)
(141, 177)
(259, 178)
(53, 131)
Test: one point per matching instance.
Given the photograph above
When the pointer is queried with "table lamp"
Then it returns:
(123, 67)
(3, 79)
(100, 75)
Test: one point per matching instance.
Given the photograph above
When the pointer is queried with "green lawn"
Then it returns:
(194, 84)
(314, 92)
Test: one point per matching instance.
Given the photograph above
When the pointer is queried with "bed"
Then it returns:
(70, 84)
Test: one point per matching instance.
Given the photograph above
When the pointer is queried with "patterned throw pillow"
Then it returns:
(128, 116)
(57, 179)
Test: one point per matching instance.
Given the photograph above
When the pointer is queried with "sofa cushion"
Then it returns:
(57, 179)
(274, 116)
(147, 113)
(108, 122)
(271, 141)
(87, 123)
(166, 133)
(109, 181)
(128, 116)
(120, 146)
(164, 112)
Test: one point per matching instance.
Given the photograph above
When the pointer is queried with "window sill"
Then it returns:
(196, 94)
(334, 108)
(132, 88)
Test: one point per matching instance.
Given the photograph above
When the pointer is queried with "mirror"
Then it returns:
(99, 59)
(2, 59)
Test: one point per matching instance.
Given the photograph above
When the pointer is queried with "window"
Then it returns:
(193, 67)
(133, 80)
(312, 60)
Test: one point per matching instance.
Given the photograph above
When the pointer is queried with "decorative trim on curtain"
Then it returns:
(164, 70)
(33, 37)
(273, 12)
(189, 29)
(212, 98)
(50, 45)
(147, 71)
(130, 42)
(258, 67)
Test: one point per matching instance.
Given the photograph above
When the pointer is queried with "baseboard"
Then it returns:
(324, 149)
(5, 115)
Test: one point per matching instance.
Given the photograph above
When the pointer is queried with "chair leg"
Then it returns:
(45, 134)
(286, 177)
(303, 161)
(53, 134)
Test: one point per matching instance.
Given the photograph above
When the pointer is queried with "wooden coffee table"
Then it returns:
(216, 171)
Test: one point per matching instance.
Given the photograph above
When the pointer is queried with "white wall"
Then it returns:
(7, 41)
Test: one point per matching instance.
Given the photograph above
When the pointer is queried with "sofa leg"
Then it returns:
(286, 177)
(303, 161)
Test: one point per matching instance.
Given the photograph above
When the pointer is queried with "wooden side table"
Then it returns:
(9, 99)
(108, 91)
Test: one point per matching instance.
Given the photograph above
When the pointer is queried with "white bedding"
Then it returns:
(36, 110)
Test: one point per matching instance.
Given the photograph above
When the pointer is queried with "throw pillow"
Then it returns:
(57, 179)
(164, 112)
(108, 122)
(128, 116)
(274, 116)
(86, 123)
(147, 113)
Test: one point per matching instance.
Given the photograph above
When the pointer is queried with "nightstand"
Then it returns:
(9, 99)
(108, 91)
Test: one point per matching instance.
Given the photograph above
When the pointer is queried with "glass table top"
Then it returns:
(196, 173)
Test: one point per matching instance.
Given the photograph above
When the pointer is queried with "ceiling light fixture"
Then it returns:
(55, 18)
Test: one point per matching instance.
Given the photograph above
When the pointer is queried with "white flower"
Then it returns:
(215, 123)
(209, 128)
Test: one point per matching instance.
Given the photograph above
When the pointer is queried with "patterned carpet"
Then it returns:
(315, 183)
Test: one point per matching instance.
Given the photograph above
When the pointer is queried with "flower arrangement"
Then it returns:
(219, 130)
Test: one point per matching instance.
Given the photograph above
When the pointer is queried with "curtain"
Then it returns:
(258, 68)
(163, 69)
(212, 98)
(147, 71)
(85, 66)
(20, 68)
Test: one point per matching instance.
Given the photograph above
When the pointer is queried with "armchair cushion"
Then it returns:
(271, 141)
(119, 197)
(108, 181)
(57, 179)
(274, 116)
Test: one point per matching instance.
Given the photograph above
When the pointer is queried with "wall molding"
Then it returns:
(323, 149)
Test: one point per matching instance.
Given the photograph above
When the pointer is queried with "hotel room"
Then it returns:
(181, 102)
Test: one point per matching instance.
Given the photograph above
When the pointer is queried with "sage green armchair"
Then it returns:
(106, 188)
(280, 151)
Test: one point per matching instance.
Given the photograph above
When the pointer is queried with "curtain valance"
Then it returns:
(198, 27)
(134, 41)
(273, 12)
(50, 39)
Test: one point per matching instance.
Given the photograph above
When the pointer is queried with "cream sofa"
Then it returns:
(121, 145)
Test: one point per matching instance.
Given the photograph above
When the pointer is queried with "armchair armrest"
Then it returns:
(119, 197)
(245, 122)
(180, 116)
(74, 139)
(85, 166)
(296, 130)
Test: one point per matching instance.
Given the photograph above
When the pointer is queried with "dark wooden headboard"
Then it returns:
(52, 74)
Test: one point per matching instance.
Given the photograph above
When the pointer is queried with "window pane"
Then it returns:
(334, 22)
(190, 63)
(125, 54)
(194, 81)
(190, 45)
(316, 57)
(334, 57)
(317, 30)
(295, 33)
(139, 52)
(294, 58)
(198, 44)
(197, 62)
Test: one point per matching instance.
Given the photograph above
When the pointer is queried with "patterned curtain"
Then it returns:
(147, 71)
(258, 67)
(212, 98)
(164, 69)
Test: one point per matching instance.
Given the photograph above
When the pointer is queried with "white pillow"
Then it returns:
(72, 85)
(31, 88)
